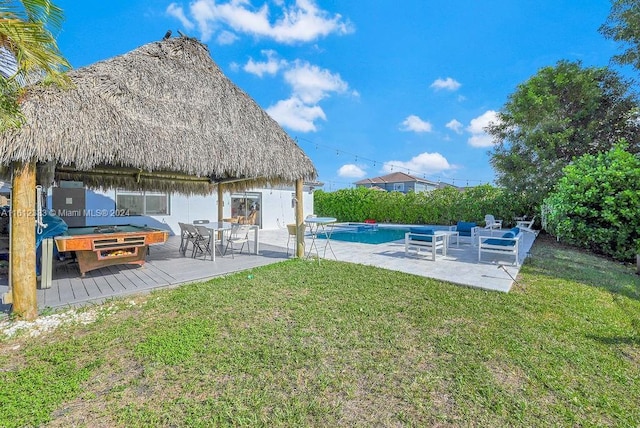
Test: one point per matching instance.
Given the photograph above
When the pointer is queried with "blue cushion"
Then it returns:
(508, 234)
(420, 238)
(421, 230)
(515, 231)
(464, 228)
(502, 242)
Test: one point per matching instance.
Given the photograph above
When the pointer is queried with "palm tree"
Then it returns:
(28, 51)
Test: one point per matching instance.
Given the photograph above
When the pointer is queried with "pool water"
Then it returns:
(380, 235)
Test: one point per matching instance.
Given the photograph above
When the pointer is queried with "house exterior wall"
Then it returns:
(407, 186)
(276, 209)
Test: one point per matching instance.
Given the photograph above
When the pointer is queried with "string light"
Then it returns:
(391, 166)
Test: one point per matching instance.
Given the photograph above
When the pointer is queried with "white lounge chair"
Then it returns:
(527, 225)
(491, 223)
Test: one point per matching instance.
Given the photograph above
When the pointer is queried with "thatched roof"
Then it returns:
(163, 114)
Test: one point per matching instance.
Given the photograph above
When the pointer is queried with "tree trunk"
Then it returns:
(23, 241)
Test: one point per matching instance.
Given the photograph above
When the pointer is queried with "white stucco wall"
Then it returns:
(276, 209)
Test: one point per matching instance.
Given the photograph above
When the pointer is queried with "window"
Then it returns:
(247, 205)
(142, 203)
(398, 187)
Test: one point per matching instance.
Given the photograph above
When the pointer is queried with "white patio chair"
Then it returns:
(491, 223)
(527, 225)
(239, 236)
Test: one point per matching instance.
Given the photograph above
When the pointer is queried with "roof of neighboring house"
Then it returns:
(161, 117)
(395, 177)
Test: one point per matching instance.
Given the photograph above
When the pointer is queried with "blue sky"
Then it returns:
(366, 88)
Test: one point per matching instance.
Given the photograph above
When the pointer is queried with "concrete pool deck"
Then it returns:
(459, 266)
(166, 267)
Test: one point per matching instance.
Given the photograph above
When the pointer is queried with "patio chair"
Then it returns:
(422, 238)
(491, 223)
(239, 235)
(468, 231)
(508, 244)
(203, 244)
(527, 225)
(291, 228)
(188, 234)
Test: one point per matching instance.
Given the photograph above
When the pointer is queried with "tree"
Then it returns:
(557, 115)
(595, 204)
(27, 49)
(623, 25)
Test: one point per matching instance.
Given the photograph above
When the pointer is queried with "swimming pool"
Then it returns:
(368, 235)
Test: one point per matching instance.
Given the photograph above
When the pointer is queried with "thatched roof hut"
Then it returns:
(161, 117)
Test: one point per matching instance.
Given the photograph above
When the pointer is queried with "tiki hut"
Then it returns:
(162, 117)
(165, 115)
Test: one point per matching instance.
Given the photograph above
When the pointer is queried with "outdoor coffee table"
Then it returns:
(448, 234)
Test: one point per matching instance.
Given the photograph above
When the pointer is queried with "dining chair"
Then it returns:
(188, 234)
(204, 243)
(239, 235)
(291, 228)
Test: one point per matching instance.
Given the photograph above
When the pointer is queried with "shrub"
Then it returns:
(596, 204)
(441, 206)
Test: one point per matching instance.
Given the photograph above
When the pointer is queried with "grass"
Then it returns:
(340, 345)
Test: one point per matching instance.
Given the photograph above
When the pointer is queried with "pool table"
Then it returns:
(100, 246)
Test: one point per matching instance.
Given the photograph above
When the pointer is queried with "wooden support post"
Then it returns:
(220, 202)
(299, 220)
(23, 241)
(220, 207)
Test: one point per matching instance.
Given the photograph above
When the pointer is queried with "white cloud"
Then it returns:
(178, 12)
(271, 66)
(414, 124)
(455, 126)
(203, 11)
(351, 171)
(479, 138)
(226, 38)
(300, 22)
(449, 84)
(424, 163)
(296, 115)
(310, 83)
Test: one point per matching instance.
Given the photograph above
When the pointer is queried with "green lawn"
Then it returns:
(298, 344)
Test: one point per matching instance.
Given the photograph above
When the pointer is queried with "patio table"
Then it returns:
(448, 234)
(318, 225)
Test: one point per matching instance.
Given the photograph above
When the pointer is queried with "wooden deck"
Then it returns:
(165, 267)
